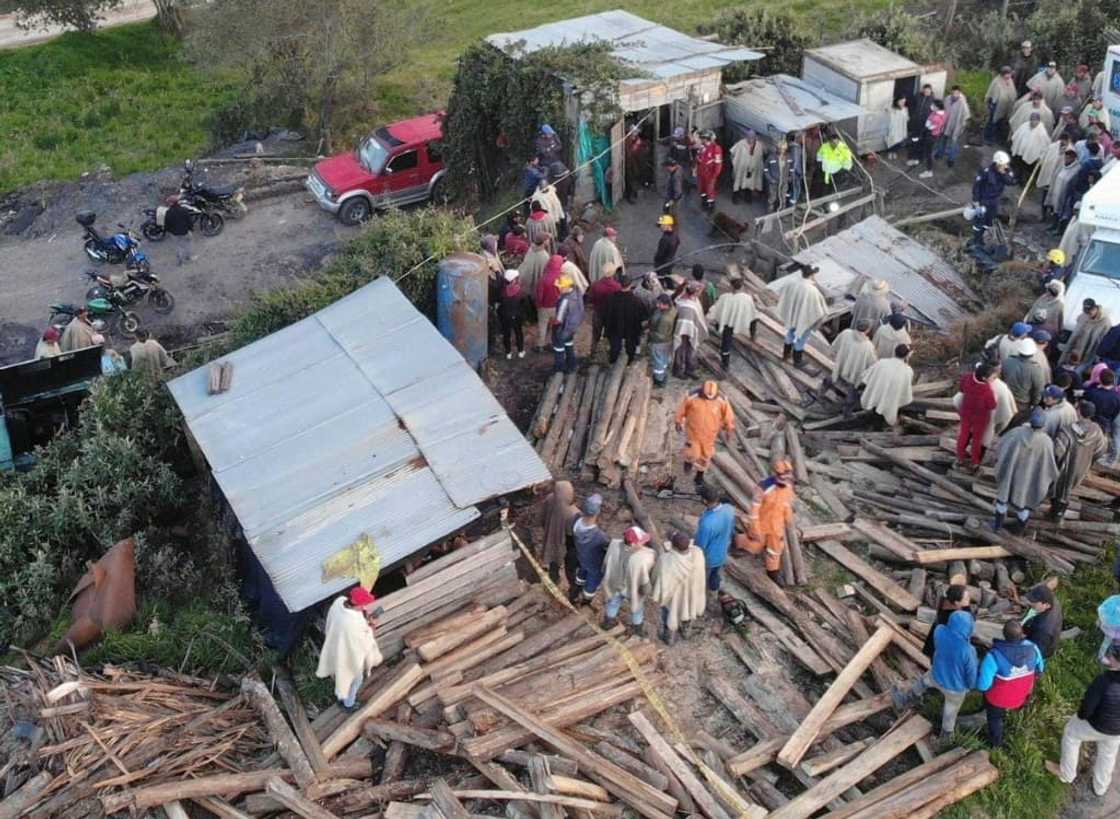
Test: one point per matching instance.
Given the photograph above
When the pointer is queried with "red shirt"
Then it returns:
(978, 399)
(600, 291)
(548, 294)
(515, 244)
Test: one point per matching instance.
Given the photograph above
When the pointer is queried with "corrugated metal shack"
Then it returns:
(360, 419)
(871, 76)
(675, 70)
(934, 292)
(775, 105)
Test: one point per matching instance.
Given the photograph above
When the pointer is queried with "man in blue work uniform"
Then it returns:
(987, 188)
(714, 532)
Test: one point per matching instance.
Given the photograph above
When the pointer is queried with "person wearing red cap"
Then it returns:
(349, 649)
(47, 346)
(627, 577)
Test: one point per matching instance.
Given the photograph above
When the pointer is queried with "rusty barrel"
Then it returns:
(462, 308)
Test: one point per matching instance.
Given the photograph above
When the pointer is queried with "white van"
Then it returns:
(1096, 270)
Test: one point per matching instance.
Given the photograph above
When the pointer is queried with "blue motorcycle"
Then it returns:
(120, 248)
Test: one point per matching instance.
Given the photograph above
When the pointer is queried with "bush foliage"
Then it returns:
(108, 478)
(779, 33)
(498, 104)
(390, 245)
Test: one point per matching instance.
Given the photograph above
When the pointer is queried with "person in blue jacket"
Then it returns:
(987, 188)
(954, 671)
(714, 532)
(1007, 677)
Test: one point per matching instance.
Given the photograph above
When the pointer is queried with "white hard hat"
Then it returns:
(1001, 158)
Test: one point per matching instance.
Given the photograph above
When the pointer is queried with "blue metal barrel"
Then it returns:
(462, 305)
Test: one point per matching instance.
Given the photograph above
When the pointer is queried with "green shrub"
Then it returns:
(982, 40)
(110, 477)
(1073, 31)
(390, 245)
(900, 31)
(778, 32)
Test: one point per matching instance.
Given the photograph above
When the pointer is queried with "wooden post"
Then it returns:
(294, 801)
(445, 799)
(282, 736)
(794, 750)
(300, 723)
(396, 755)
(538, 777)
(18, 803)
(704, 800)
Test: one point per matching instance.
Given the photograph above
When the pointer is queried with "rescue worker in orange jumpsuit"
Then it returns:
(702, 415)
(771, 511)
(709, 165)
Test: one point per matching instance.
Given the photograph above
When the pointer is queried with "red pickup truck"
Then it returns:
(395, 165)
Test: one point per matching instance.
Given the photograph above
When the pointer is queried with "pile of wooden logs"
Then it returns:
(606, 422)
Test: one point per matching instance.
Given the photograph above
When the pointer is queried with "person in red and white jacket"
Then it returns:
(1007, 676)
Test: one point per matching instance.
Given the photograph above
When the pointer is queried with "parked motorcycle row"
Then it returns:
(110, 296)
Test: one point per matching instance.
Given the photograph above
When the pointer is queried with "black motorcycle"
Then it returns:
(206, 222)
(128, 289)
(120, 248)
(229, 199)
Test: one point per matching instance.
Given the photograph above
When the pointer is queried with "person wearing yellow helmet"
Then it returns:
(666, 246)
(569, 315)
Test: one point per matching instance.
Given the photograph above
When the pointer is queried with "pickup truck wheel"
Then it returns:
(355, 211)
(440, 197)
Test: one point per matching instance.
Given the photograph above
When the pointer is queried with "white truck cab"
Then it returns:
(1096, 269)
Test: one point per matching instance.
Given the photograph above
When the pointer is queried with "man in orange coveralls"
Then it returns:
(702, 415)
(771, 511)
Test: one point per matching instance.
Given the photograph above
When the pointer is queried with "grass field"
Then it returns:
(119, 97)
(124, 98)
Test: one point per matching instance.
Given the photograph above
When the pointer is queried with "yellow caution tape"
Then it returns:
(745, 809)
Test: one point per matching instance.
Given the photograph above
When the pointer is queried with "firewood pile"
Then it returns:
(603, 422)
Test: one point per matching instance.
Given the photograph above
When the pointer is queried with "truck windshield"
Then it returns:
(1102, 259)
(372, 154)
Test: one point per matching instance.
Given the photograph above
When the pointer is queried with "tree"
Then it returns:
(778, 33)
(81, 15)
(313, 59)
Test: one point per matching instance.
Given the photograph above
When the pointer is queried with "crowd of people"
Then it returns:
(145, 354)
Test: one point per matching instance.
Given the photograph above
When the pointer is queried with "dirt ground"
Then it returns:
(12, 36)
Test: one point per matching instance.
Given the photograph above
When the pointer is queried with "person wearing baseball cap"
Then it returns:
(349, 648)
(1024, 66)
(771, 513)
(627, 577)
(1042, 625)
(1076, 449)
(1060, 413)
(1090, 328)
(1025, 471)
(591, 544)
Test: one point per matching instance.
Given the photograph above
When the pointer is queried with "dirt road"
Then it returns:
(275, 242)
(13, 37)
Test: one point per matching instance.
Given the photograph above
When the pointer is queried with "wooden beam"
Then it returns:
(890, 745)
(282, 736)
(396, 688)
(964, 553)
(665, 753)
(419, 737)
(892, 591)
(300, 723)
(905, 802)
(294, 801)
(18, 803)
(823, 763)
(445, 642)
(447, 801)
(794, 750)
(224, 785)
(538, 778)
(898, 783)
(820, 220)
(825, 531)
(598, 808)
(646, 800)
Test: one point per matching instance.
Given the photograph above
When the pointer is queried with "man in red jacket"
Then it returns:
(709, 165)
(547, 296)
(596, 299)
(978, 402)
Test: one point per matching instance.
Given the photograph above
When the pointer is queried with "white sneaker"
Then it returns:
(925, 175)
(912, 163)
(521, 354)
(509, 356)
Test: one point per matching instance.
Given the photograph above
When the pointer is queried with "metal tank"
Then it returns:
(462, 307)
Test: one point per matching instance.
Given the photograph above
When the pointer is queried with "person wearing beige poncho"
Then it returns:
(680, 587)
(350, 650)
(853, 355)
(801, 306)
(604, 251)
(1031, 104)
(1029, 144)
(890, 334)
(999, 100)
(627, 576)
(888, 386)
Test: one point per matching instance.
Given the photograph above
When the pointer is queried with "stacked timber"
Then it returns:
(606, 422)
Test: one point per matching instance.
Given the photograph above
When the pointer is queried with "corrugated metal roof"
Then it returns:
(759, 104)
(863, 59)
(660, 51)
(931, 288)
(359, 419)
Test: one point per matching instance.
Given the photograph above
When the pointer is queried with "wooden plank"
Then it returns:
(468, 656)
(825, 531)
(794, 749)
(418, 737)
(278, 730)
(646, 800)
(892, 591)
(704, 800)
(890, 745)
(556, 764)
(898, 783)
(746, 712)
(396, 688)
(440, 645)
(624, 760)
(904, 641)
(598, 808)
(567, 786)
(300, 723)
(294, 801)
(538, 778)
(538, 642)
(220, 808)
(447, 801)
(958, 791)
(823, 763)
(908, 801)
(927, 556)
(471, 550)
(798, 648)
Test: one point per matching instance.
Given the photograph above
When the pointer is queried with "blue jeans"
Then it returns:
(798, 343)
(353, 693)
(614, 606)
(948, 148)
(660, 354)
(714, 578)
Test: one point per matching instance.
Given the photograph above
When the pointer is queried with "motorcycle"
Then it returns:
(229, 199)
(121, 321)
(132, 287)
(120, 248)
(208, 223)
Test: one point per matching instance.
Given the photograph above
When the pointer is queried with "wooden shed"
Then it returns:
(873, 77)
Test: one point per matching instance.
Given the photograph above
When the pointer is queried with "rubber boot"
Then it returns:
(609, 622)
(997, 522)
(798, 357)
(787, 350)
(725, 361)
(775, 575)
(636, 629)
(686, 629)
(663, 634)
(699, 478)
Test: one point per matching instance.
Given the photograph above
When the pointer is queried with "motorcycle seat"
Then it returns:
(118, 280)
(217, 192)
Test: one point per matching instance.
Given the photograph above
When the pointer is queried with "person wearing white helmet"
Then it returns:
(987, 188)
